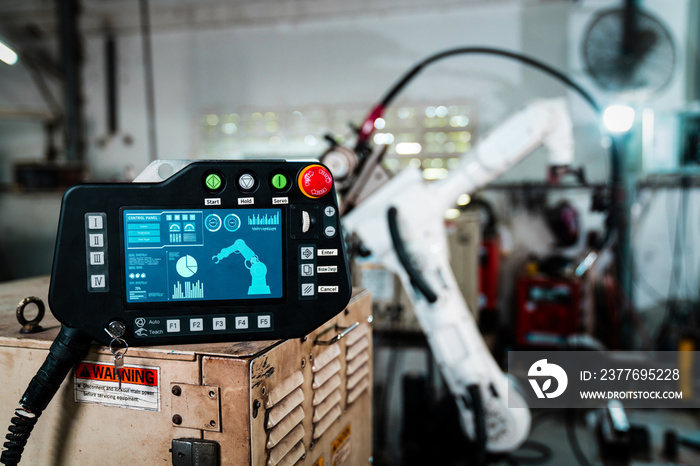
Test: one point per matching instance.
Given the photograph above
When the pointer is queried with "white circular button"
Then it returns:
(246, 181)
(329, 211)
(329, 231)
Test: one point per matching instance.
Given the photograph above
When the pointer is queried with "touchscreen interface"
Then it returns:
(202, 255)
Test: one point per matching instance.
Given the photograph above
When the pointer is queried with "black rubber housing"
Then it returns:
(293, 315)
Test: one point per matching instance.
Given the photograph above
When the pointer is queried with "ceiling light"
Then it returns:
(7, 54)
(618, 118)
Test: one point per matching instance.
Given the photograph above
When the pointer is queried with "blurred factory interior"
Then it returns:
(95, 90)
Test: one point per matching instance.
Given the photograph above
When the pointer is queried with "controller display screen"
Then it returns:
(202, 255)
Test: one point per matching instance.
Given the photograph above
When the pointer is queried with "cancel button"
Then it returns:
(327, 289)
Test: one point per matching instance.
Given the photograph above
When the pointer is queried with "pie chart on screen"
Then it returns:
(186, 266)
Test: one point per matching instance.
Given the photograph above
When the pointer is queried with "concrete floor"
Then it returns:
(549, 428)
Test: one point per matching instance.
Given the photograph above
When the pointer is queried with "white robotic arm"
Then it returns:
(258, 270)
(417, 208)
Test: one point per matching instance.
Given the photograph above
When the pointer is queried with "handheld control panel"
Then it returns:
(220, 251)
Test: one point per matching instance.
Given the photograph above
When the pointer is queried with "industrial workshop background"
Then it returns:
(95, 90)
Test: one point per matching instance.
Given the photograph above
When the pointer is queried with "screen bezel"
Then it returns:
(193, 305)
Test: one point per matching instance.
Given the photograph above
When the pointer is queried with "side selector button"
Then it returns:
(95, 222)
(97, 240)
(315, 181)
(98, 281)
(97, 258)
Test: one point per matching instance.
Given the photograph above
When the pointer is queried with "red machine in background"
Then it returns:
(489, 259)
(549, 309)
(489, 268)
(549, 302)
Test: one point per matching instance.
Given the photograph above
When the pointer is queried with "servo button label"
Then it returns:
(98, 383)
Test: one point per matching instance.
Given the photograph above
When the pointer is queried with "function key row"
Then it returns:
(154, 326)
(264, 322)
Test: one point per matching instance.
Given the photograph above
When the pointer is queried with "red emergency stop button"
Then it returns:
(315, 181)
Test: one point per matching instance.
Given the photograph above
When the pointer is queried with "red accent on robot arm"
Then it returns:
(367, 127)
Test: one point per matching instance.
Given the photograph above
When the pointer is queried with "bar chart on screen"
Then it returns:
(264, 219)
(191, 291)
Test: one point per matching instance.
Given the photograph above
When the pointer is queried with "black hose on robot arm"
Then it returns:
(367, 128)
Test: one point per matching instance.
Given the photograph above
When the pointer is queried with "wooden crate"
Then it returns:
(268, 402)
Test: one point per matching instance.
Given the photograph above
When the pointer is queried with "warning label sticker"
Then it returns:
(341, 448)
(97, 382)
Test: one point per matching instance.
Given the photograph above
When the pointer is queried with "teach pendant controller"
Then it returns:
(225, 250)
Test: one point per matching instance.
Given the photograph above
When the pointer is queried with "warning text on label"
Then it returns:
(99, 383)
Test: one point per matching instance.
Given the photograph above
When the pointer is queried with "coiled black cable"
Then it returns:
(20, 428)
(69, 346)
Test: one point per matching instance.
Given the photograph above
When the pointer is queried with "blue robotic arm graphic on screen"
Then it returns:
(258, 270)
